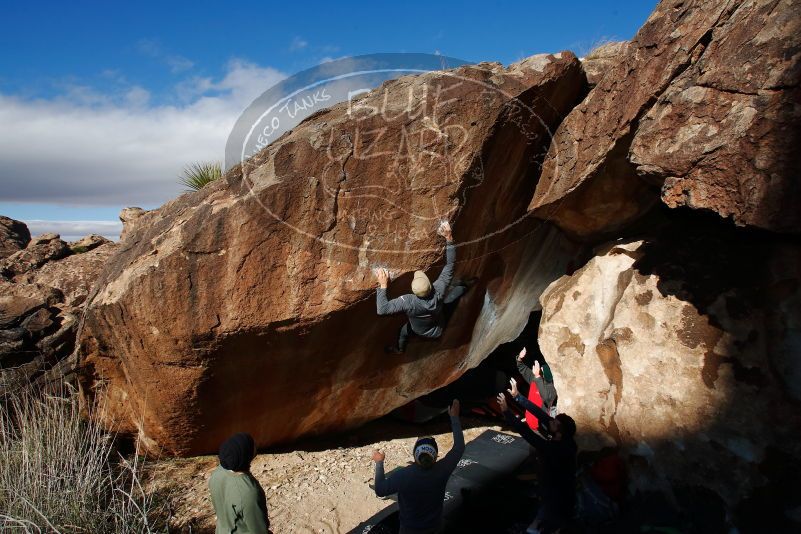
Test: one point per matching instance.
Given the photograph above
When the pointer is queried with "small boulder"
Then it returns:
(87, 243)
(38, 322)
(667, 348)
(17, 301)
(43, 239)
(40, 250)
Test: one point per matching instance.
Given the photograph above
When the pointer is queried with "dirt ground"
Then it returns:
(317, 486)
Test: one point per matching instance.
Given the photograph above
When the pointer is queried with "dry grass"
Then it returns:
(62, 473)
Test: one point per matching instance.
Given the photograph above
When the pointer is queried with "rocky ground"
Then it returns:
(320, 486)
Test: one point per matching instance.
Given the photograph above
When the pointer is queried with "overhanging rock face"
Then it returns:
(701, 111)
(249, 305)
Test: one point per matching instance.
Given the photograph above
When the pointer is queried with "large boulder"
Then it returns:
(14, 236)
(662, 347)
(250, 305)
(701, 112)
(724, 135)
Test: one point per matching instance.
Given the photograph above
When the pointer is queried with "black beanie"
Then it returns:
(237, 452)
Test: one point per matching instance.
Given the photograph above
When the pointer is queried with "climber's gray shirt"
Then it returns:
(425, 315)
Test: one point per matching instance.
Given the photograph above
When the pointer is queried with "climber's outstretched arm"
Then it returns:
(527, 405)
(446, 275)
(388, 307)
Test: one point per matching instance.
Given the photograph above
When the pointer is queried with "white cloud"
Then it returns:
(73, 230)
(178, 63)
(298, 43)
(91, 148)
(152, 48)
(137, 96)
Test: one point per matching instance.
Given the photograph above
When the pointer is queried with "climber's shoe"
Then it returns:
(468, 282)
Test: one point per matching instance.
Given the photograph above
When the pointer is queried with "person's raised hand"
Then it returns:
(453, 410)
(536, 369)
(502, 402)
(382, 275)
(378, 456)
(513, 390)
(445, 230)
(521, 355)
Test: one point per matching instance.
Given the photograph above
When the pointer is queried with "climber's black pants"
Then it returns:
(403, 336)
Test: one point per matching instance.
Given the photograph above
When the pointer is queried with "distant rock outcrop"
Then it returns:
(42, 289)
(88, 243)
(40, 250)
(251, 303)
(14, 236)
(702, 111)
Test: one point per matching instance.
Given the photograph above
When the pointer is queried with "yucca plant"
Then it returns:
(198, 175)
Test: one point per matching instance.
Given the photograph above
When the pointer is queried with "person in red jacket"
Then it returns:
(557, 451)
(541, 392)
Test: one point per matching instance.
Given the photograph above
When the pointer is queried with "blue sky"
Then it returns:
(102, 103)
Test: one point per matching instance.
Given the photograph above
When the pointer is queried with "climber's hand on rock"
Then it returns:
(521, 355)
(502, 402)
(453, 411)
(445, 230)
(513, 390)
(378, 456)
(382, 275)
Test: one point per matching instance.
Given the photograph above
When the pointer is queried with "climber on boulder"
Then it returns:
(421, 485)
(557, 454)
(428, 306)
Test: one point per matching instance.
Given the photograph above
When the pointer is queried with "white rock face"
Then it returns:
(640, 366)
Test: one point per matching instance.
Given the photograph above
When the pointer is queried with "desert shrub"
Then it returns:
(62, 473)
(197, 175)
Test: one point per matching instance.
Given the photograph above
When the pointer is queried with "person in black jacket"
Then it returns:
(557, 454)
(421, 485)
(426, 305)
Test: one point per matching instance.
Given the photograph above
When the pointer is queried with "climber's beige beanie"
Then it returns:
(421, 285)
